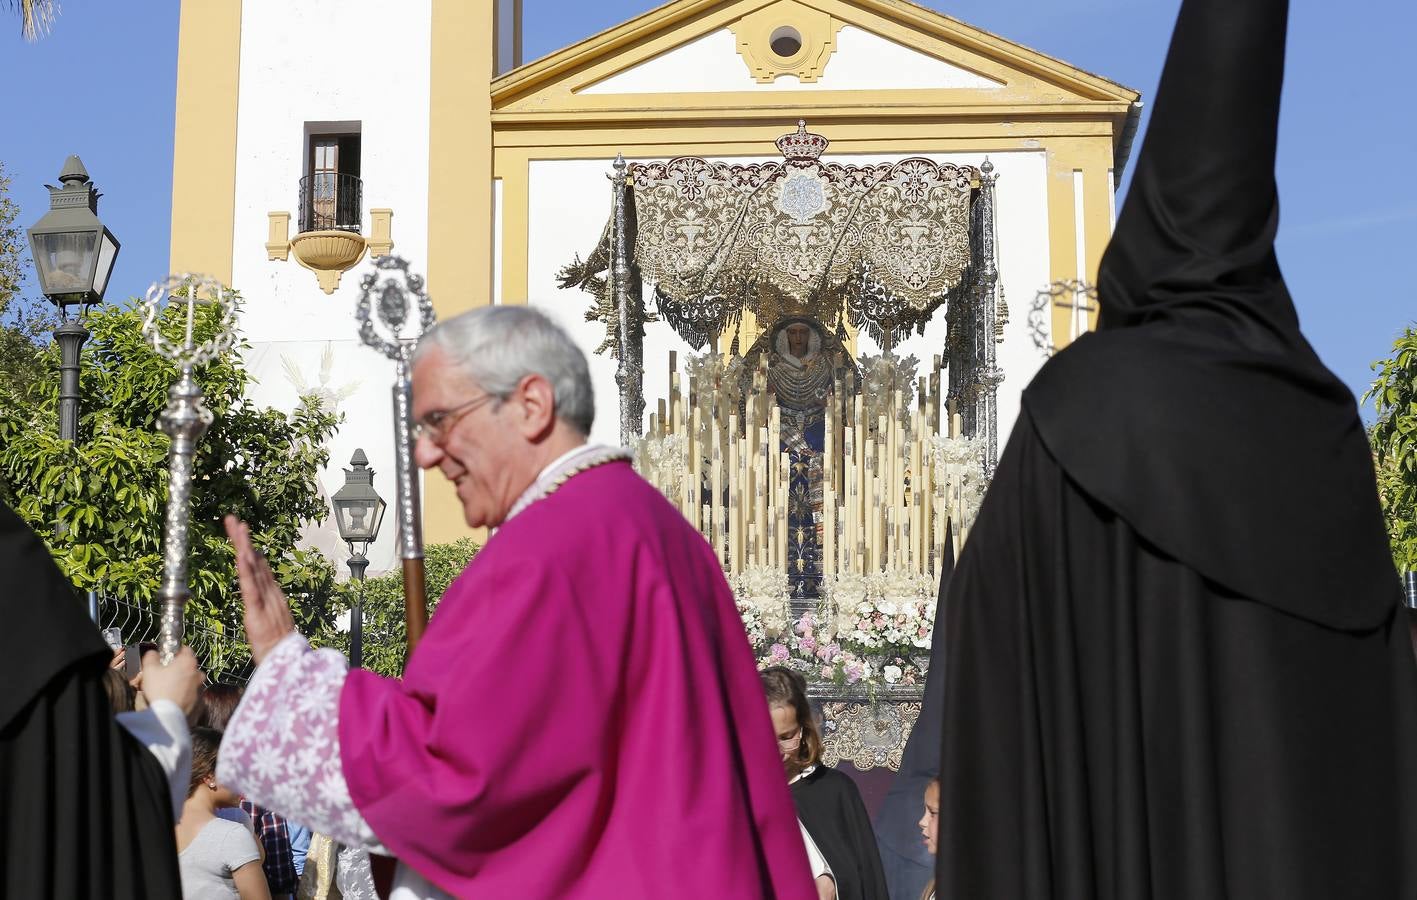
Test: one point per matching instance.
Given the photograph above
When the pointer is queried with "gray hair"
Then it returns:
(497, 346)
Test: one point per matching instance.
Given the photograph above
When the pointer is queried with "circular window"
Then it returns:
(785, 42)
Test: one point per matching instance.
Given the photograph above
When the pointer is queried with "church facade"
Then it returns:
(423, 134)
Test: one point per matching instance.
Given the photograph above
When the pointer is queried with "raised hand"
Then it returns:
(268, 617)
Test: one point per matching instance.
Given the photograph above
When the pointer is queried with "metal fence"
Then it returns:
(223, 655)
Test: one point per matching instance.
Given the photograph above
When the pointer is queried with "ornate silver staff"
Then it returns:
(630, 370)
(185, 421)
(393, 303)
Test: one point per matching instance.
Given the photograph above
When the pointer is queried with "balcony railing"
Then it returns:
(331, 202)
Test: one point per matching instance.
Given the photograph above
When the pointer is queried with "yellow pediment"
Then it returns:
(742, 56)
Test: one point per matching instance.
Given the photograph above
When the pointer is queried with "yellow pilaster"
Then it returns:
(1071, 162)
(204, 142)
(516, 239)
(462, 53)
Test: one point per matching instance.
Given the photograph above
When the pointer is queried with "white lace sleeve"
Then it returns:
(281, 748)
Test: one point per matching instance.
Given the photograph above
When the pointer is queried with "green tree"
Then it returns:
(1394, 439)
(385, 637)
(24, 322)
(99, 502)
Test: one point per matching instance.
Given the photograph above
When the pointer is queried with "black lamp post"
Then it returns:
(358, 511)
(73, 257)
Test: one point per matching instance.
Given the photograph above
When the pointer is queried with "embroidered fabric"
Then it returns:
(353, 876)
(281, 748)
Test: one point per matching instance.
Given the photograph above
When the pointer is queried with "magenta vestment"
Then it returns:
(583, 718)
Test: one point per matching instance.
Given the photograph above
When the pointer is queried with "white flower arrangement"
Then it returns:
(883, 612)
(819, 658)
(960, 464)
(661, 458)
(761, 594)
(881, 376)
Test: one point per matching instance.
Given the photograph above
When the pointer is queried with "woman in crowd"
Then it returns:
(216, 705)
(828, 803)
(219, 859)
(120, 692)
(930, 828)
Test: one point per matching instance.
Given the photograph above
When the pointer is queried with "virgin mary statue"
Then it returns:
(801, 370)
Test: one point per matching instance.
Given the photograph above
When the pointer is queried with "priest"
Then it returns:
(1177, 664)
(583, 717)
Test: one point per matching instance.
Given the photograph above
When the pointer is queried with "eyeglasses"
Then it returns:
(791, 743)
(436, 425)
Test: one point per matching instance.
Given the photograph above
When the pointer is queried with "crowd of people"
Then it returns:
(1176, 661)
(227, 847)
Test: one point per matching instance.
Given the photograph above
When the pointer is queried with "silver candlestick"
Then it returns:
(396, 303)
(185, 420)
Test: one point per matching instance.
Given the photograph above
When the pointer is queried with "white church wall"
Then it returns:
(311, 62)
(862, 61)
(569, 204)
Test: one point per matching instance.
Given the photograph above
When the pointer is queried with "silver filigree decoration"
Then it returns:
(401, 299)
(802, 195)
(1073, 295)
(185, 420)
(193, 290)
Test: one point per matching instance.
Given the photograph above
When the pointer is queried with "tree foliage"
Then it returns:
(23, 321)
(1394, 439)
(99, 502)
(385, 637)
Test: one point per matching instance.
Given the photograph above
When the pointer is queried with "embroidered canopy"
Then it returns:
(882, 245)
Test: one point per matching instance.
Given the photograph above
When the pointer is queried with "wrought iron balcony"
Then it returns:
(331, 202)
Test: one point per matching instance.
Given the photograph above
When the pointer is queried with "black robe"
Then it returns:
(830, 806)
(1176, 663)
(907, 862)
(85, 809)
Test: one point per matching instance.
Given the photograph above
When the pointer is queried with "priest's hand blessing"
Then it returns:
(268, 618)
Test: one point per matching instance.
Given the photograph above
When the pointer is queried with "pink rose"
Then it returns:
(778, 653)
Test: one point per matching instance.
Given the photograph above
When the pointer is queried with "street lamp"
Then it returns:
(358, 511)
(73, 257)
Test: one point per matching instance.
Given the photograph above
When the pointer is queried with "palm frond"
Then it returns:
(36, 16)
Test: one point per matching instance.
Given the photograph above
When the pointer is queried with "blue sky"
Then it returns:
(102, 86)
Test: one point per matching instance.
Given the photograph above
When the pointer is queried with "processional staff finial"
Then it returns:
(185, 420)
(393, 314)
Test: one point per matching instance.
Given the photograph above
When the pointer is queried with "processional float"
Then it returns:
(879, 249)
(829, 476)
